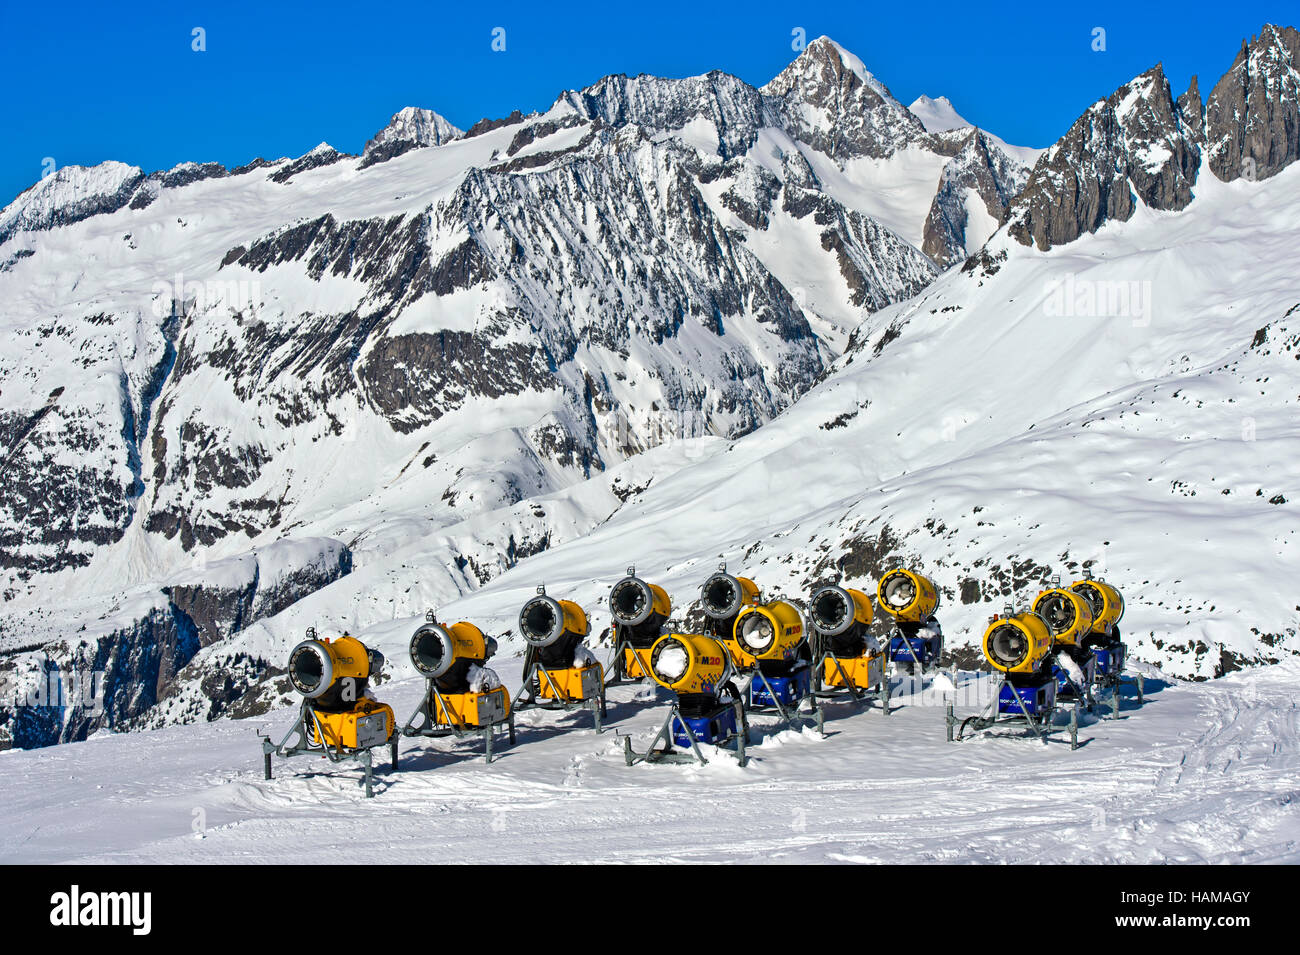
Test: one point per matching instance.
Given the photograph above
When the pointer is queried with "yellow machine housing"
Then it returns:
(772, 631)
(367, 724)
(689, 663)
(907, 596)
(862, 672)
(636, 663)
(1106, 602)
(473, 708)
(1018, 643)
(571, 684)
(1067, 614)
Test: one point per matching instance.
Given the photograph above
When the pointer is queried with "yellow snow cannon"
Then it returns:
(337, 719)
(773, 640)
(1018, 643)
(722, 597)
(708, 708)
(911, 599)
(559, 672)
(639, 611)
(1107, 607)
(461, 696)
(769, 632)
(690, 664)
(1067, 614)
(907, 596)
(847, 656)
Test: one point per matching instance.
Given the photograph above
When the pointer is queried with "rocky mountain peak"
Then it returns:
(1134, 144)
(829, 100)
(410, 128)
(1252, 117)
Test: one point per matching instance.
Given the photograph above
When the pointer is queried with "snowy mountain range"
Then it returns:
(801, 328)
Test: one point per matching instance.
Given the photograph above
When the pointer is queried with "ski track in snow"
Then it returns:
(1201, 773)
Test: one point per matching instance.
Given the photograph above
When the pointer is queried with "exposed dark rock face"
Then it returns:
(1252, 117)
(322, 155)
(1134, 145)
(977, 166)
(734, 107)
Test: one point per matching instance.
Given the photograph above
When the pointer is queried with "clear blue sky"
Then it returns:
(88, 83)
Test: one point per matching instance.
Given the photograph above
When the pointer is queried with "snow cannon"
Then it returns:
(1020, 645)
(639, 611)
(447, 654)
(462, 697)
(553, 628)
(707, 707)
(1107, 608)
(773, 640)
(1104, 638)
(1069, 617)
(560, 673)
(722, 597)
(337, 718)
(847, 655)
(911, 599)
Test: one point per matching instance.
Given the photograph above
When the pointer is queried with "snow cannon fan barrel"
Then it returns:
(553, 629)
(690, 664)
(333, 675)
(907, 596)
(770, 632)
(444, 654)
(1107, 606)
(1018, 643)
(723, 596)
(639, 609)
(1067, 614)
(841, 616)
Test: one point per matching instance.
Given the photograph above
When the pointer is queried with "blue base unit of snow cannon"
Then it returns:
(716, 728)
(1038, 698)
(787, 689)
(1065, 684)
(923, 650)
(1110, 660)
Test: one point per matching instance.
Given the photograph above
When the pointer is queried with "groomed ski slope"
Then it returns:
(1202, 773)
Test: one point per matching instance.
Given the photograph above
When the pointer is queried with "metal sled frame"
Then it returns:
(790, 715)
(988, 718)
(618, 666)
(855, 694)
(302, 728)
(527, 699)
(1112, 682)
(669, 755)
(431, 729)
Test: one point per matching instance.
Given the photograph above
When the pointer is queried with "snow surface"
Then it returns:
(1202, 773)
